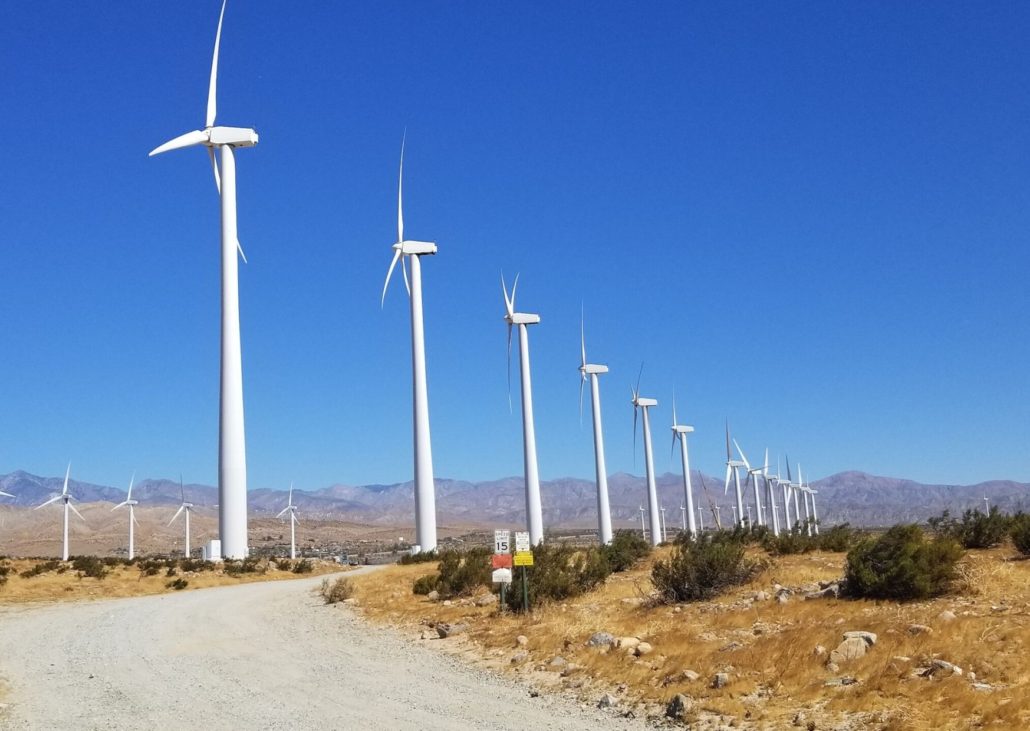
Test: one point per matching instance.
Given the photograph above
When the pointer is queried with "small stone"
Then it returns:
(832, 667)
(449, 630)
(781, 598)
(850, 649)
(945, 666)
(690, 675)
(819, 651)
(601, 639)
(707, 637)
(678, 707)
(869, 637)
(569, 669)
(982, 686)
(486, 600)
(799, 718)
(833, 682)
(761, 596)
(433, 596)
(447, 602)
(946, 616)
(720, 680)
(627, 642)
(731, 647)
(558, 661)
(521, 640)
(621, 688)
(919, 629)
(350, 602)
(608, 701)
(519, 657)
(643, 648)
(534, 693)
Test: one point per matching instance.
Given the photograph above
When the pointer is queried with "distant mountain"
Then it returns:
(855, 497)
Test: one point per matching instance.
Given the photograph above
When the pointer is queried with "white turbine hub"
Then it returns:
(418, 248)
(682, 429)
(645, 402)
(522, 318)
(590, 369)
(233, 136)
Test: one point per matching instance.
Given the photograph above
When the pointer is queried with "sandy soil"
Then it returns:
(260, 656)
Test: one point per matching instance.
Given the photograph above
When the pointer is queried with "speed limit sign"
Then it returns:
(502, 541)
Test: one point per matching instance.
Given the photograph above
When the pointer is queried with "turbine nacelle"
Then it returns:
(590, 369)
(643, 402)
(210, 137)
(522, 318)
(418, 248)
(682, 429)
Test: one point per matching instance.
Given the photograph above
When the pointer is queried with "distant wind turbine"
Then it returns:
(643, 526)
(643, 404)
(604, 515)
(184, 507)
(232, 453)
(534, 512)
(425, 489)
(733, 469)
(679, 433)
(752, 478)
(292, 510)
(130, 503)
(665, 534)
(66, 498)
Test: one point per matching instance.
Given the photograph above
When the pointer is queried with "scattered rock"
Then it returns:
(569, 669)
(833, 667)
(707, 637)
(781, 598)
(761, 596)
(558, 661)
(851, 648)
(939, 666)
(449, 630)
(621, 688)
(447, 602)
(819, 651)
(678, 707)
(836, 682)
(352, 602)
(946, 616)
(601, 639)
(919, 629)
(633, 601)
(521, 640)
(519, 657)
(534, 693)
(608, 701)
(627, 642)
(869, 637)
(799, 718)
(982, 686)
(486, 600)
(575, 683)
(690, 675)
(433, 596)
(720, 680)
(643, 648)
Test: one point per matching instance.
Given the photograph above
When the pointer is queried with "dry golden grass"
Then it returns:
(125, 581)
(771, 647)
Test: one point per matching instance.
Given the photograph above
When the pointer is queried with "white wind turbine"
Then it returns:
(793, 493)
(130, 503)
(232, 453)
(534, 513)
(804, 497)
(752, 478)
(683, 517)
(591, 370)
(185, 507)
(66, 498)
(643, 404)
(733, 468)
(5, 494)
(292, 510)
(771, 481)
(665, 534)
(643, 526)
(425, 490)
(680, 432)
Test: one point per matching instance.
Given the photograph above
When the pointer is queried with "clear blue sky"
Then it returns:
(809, 217)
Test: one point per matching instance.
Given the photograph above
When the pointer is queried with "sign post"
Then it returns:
(502, 561)
(523, 558)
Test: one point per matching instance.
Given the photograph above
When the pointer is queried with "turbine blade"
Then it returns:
(400, 185)
(214, 169)
(582, 341)
(514, 286)
(639, 374)
(132, 480)
(280, 514)
(52, 500)
(181, 508)
(389, 273)
(5, 494)
(729, 454)
(509, 306)
(404, 271)
(213, 84)
(742, 457)
(672, 449)
(674, 407)
(726, 486)
(75, 511)
(290, 501)
(509, 366)
(182, 490)
(582, 382)
(634, 435)
(119, 505)
(239, 248)
(196, 137)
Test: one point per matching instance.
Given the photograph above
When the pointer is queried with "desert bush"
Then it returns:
(90, 566)
(283, 564)
(304, 566)
(463, 573)
(789, 543)
(195, 565)
(178, 584)
(113, 561)
(423, 557)
(5, 570)
(975, 529)
(625, 550)
(150, 567)
(249, 565)
(41, 568)
(558, 572)
(702, 569)
(1020, 533)
(839, 538)
(337, 590)
(171, 571)
(425, 584)
(902, 564)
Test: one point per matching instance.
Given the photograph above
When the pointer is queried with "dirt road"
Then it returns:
(255, 656)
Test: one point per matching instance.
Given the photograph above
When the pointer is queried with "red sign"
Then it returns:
(502, 561)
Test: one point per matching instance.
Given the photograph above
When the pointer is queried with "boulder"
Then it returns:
(486, 600)
(607, 701)
(449, 630)
(919, 629)
(519, 657)
(433, 596)
(521, 640)
(942, 666)
(690, 675)
(643, 648)
(720, 680)
(678, 707)
(946, 616)
(627, 642)
(781, 598)
(869, 637)
(601, 639)
(850, 649)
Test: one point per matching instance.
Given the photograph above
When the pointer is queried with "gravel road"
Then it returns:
(254, 656)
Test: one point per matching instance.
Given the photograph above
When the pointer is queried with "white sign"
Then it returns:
(521, 541)
(502, 541)
(502, 576)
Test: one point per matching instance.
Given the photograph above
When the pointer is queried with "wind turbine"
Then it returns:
(665, 535)
(679, 432)
(132, 516)
(187, 507)
(66, 498)
(804, 497)
(683, 517)
(752, 477)
(643, 526)
(733, 467)
(770, 494)
(604, 516)
(793, 488)
(643, 404)
(425, 490)
(232, 452)
(700, 520)
(292, 510)
(534, 513)
(987, 503)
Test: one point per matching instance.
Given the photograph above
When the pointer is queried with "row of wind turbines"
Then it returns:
(232, 469)
(185, 508)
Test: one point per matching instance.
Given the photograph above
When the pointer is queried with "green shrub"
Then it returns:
(463, 573)
(304, 566)
(1020, 533)
(172, 571)
(839, 538)
(193, 564)
(90, 566)
(789, 543)
(336, 591)
(425, 584)
(5, 569)
(902, 564)
(975, 529)
(178, 584)
(558, 572)
(249, 565)
(702, 569)
(41, 568)
(283, 564)
(423, 557)
(625, 550)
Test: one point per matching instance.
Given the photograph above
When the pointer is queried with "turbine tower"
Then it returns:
(752, 477)
(66, 498)
(292, 510)
(680, 432)
(184, 507)
(425, 489)
(604, 515)
(534, 513)
(643, 526)
(232, 453)
(733, 468)
(665, 535)
(130, 503)
(643, 404)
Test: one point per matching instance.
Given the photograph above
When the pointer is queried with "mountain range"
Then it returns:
(854, 497)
